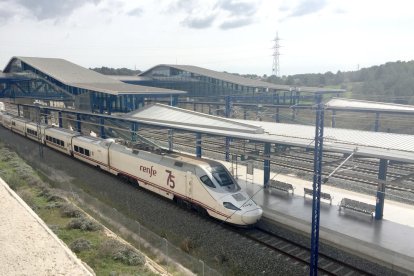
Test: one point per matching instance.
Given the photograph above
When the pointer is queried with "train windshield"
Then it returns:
(222, 176)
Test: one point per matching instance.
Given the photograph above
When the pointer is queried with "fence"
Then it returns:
(173, 259)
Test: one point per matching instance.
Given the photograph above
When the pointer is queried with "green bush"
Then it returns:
(129, 256)
(70, 211)
(121, 252)
(83, 224)
(80, 245)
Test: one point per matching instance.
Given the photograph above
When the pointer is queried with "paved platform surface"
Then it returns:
(28, 246)
(389, 241)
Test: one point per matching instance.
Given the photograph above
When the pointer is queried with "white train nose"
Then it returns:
(251, 217)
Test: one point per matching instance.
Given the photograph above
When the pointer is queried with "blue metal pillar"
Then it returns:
(382, 176)
(78, 122)
(174, 101)
(317, 177)
(376, 126)
(102, 127)
(109, 104)
(266, 165)
(227, 149)
(333, 122)
(170, 139)
(228, 110)
(134, 129)
(60, 119)
(45, 115)
(198, 144)
(277, 115)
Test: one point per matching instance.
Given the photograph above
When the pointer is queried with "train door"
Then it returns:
(189, 184)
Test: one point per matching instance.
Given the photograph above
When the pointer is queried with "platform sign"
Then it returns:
(250, 167)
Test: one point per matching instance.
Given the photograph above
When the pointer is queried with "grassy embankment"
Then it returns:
(88, 239)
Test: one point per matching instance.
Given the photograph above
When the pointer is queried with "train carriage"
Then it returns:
(35, 131)
(60, 139)
(18, 125)
(91, 150)
(204, 184)
(6, 120)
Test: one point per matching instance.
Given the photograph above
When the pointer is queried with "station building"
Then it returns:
(57, 80)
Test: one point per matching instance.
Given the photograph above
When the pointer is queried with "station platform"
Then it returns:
(387, 242)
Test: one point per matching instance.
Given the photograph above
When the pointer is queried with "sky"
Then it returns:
(236, 36)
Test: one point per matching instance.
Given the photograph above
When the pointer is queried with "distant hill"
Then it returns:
(116, 71)
(389, 82)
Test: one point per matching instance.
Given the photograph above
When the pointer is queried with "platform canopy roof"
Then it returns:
(73, 75)
(358, 105)
(240, 80)
(399, 147)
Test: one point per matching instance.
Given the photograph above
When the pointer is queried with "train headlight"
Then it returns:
(231, 206)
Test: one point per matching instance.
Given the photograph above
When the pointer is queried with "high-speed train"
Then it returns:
(203, 184)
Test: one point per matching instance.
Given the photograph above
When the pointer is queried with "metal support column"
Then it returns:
(134, 130)
(266, 165)
(227, 146)
(376, 126)
(78, 122)
(60, 119)
(102, 128)
(228, 110)
(18, 110)
(171, 139)
(317, 175)
(45, 115)
(382, 175)
(333, 121)
(198, 144)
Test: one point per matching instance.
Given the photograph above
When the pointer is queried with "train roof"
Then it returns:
(64, 131)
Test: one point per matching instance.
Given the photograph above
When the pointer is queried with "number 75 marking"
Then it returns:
(170, 179)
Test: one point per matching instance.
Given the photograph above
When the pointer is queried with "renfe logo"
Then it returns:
(151, 171)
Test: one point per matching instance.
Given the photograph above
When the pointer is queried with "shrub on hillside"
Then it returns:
(70, 211)
(80, 245)
(121, 252)
(84, 224)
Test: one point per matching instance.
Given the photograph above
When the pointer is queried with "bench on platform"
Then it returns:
(282, 186)
(326, 196)
(357, 206)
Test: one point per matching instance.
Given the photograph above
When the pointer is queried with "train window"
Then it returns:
(54, 140)
(178, 164)
(206, 180)
(13, 123)
(62, 143)
(221, 176)
(87, 152)
(76, 148)
(81, 150)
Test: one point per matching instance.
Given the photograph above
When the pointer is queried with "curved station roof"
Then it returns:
(236, 79)
(398, 147)
(69, 74)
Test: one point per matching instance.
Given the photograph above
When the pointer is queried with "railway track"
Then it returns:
(299, 254)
